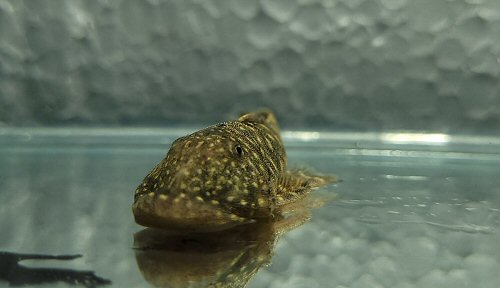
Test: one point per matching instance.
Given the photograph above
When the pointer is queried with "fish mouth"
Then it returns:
(185, 215)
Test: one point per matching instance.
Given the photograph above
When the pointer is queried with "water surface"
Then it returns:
(407, 214)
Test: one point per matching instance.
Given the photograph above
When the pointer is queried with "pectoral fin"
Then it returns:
(296, 184)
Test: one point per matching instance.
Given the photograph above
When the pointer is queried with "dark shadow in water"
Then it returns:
(227, 258)
(18, 275)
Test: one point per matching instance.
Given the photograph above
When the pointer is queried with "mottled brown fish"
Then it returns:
(222, 176)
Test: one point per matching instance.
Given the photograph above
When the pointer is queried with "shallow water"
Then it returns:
(415, 211)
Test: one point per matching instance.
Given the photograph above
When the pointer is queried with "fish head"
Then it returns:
(209, 180)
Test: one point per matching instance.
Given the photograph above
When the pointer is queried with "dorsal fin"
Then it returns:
(263, 116)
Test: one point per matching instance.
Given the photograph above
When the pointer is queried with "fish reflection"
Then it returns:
(228, 258)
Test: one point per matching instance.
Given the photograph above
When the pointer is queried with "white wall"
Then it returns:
(334, 64)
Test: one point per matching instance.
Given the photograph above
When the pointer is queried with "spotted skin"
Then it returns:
(220, 177)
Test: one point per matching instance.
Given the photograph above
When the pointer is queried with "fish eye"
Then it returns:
(239, 150)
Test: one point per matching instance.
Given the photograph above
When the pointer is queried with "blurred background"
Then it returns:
(339, 65)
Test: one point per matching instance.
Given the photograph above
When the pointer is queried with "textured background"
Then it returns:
(331, 64)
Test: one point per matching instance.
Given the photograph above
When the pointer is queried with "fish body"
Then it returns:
(221, 176)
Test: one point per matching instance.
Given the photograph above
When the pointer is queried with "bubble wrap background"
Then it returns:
(333, 64)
